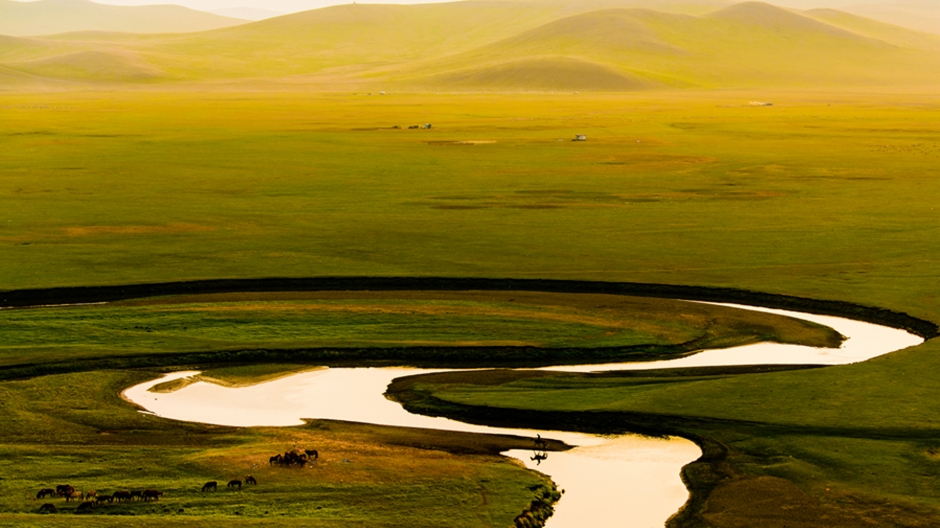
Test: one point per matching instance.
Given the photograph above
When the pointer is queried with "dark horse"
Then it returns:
(250, 480)
(151, 495)
(539, 443)
(312, 454)
(235, 484)
(122, 496)
(64, 490)
(46, 492)
(213, 485)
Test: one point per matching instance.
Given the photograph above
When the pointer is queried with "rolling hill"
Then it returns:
(750, 44)
(920, 15)
(894, 34)
(247, 13)
(510, 45)
(48, 17)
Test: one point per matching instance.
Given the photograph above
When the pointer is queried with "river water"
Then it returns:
(628, 480)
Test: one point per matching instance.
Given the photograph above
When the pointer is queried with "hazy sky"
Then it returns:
(283, 6)
(291, 6)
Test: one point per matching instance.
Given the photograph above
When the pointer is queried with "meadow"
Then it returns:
(827, 195)
(487, 327)
(824, 192)
(369, 475)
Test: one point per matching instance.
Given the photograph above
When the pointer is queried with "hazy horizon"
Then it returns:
(293, 6)
(282, 6)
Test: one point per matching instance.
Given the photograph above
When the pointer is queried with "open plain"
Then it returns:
(825, 195)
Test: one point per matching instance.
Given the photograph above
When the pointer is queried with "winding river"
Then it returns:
(624, 480)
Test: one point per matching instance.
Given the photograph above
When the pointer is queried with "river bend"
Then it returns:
(626, 480)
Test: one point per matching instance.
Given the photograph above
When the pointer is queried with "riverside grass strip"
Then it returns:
(75, 429)
(96, 294)
(443, 328)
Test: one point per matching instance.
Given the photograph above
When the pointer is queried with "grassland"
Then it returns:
(828, 194)
(821, 196)
(75, 429)
(492, 327)
(858, 451)
(97, 440)
(362, 480)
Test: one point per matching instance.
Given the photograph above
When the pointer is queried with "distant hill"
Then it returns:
(114, 66)
(49, 17)
(510, 45)
(542, 73)
(247, 13)
(922, 15)
(750, 44)
(894, 34)
(683, 7)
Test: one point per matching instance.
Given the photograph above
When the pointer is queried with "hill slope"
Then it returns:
(922, 15)
(894, 34)
(751, 44)
(247, 13)
(543, 73)
(503, 45)
(919, 15)
(48, 17)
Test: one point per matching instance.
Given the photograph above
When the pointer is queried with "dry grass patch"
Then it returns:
(668, 321)
(776, 503)
(167, 229)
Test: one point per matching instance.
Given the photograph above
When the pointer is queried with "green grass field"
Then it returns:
(75, 429)
(824, 195)
(342, 320)
(828, 195)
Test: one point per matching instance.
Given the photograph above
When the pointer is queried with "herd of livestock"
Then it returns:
(295, 458)
(88, 501)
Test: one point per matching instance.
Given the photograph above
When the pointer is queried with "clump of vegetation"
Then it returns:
(540, 509)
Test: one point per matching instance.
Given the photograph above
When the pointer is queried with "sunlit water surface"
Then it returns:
(624, 480)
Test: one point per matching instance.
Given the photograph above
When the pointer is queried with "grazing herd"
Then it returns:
(213, 485)
(88, 501)
(295, 458)
(71, 494)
